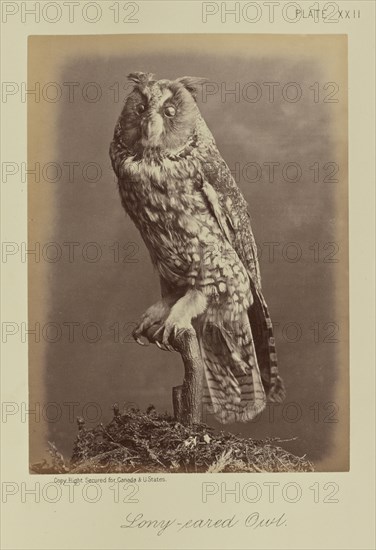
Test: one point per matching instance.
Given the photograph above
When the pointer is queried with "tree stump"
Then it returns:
(187, 398)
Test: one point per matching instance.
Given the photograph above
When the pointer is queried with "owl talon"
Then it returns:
(139, 342)
(136, 333)
(163, 347)
(171, 332)
(166, 335)
(158, 331)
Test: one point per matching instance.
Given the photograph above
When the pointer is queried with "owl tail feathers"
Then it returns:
(263, 337)
(233, 388)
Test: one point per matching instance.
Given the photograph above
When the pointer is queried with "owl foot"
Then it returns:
(151, 322)
(159, 331)
(179, 320)
(163, 322)
(166, 335)
(174, 328)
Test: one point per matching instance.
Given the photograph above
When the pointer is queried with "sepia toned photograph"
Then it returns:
(187, 253)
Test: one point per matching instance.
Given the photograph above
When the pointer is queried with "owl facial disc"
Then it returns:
(160, 114)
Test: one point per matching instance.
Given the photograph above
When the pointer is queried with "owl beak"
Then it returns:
(152, 130)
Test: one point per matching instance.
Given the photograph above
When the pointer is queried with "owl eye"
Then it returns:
(170, 111)
(140, 108)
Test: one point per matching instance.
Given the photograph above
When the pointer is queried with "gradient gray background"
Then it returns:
(108, 292)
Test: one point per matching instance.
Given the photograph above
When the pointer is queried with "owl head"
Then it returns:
(160, 114)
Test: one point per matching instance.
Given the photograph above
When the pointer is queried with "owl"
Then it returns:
(194, 220)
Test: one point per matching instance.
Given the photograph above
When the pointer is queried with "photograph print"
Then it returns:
(190, 289)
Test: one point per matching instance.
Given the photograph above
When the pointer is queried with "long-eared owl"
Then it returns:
(194, 220)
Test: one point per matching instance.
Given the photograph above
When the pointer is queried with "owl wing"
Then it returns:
(231, 210)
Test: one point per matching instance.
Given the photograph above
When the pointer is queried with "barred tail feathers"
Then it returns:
(263, 337)
(233, 389)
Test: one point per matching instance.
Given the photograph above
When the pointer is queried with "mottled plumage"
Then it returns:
(194, 220)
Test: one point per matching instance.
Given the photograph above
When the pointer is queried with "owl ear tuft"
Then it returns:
(141, 79)
(192, 83)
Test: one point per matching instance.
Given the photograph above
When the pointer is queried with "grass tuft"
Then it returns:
(137, 441)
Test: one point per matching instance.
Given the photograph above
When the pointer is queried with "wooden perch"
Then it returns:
(187, 398)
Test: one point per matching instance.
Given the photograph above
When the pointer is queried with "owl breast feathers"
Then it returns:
(194, 220)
